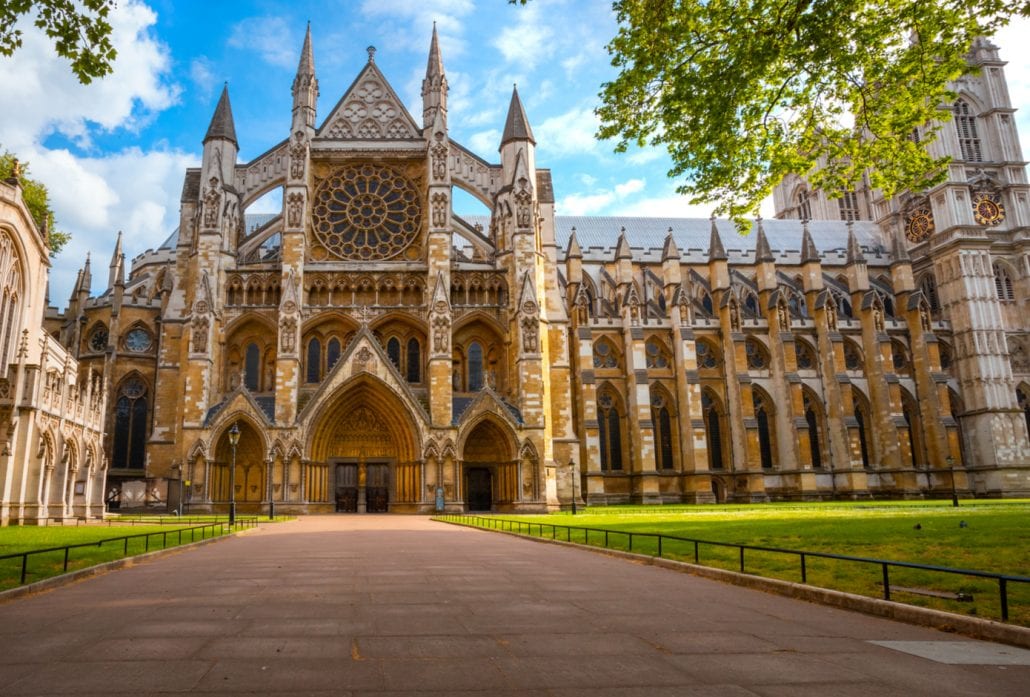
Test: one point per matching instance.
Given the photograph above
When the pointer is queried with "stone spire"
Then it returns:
(113, 273)
(670, 250)
(808, 251)
(516, 126)
(222, 126)
(305, 85)
(434, 85)
(854, 249)
(899, 250)
(87, 276)
(572, 251)
(622, 250)
(715, 249)
(763, 252)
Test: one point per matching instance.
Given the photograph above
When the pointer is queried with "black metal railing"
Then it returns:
(525, 527)
(205, 531)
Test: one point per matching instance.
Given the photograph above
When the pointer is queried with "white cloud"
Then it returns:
(270, 37)
(630, 187)
(94, 196)
(598, 202)
(202, 74)
(645, 156)
(571, 133)
(484, 142)
(529, 39)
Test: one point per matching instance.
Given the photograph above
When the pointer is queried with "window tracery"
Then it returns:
(609, 423)
(968, 138)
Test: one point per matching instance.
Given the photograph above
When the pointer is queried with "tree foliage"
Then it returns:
(37, 200)
(79, 29)
(744, 92)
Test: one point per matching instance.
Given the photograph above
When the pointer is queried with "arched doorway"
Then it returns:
(364, 452)
(250, 466)
(491, 470)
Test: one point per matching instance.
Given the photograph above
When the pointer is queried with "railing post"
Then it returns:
(630, 543)
(1003, 590)
(697, 555)
(804, 571)
(659, 546)
(886, 583)
(66, 550)
(742, 559)
(24, 567)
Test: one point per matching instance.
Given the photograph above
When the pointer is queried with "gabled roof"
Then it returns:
(369, 110)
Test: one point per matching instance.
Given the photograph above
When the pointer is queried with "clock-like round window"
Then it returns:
(98, 339)
(988, 208)
(138, 340)
(919, 224)
(366, 212)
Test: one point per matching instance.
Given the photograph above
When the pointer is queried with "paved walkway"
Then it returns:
(372, 605)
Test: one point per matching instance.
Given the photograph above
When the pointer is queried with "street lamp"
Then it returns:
(572, 466)
(954, 491)
(234, 439)
(178, 509)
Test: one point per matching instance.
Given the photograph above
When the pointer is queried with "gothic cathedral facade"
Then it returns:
(376, 351)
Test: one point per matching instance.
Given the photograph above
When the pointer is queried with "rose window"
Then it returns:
(366, 212)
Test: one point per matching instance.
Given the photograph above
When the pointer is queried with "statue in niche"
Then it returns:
(831, 315)
(734, 316)
(439, 155)
(878, 319)
(530, 340)
(212, 202)
(783, 314)
(199, 332)
(441, 334)
(294, 208)
(288, 334)
(298, 155)
(439, 211)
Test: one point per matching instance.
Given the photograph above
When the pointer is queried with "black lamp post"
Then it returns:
(954, 491)
(234, 440)
(572, 466)
(178, 508)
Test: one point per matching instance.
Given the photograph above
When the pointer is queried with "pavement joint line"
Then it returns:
(975, 627)
(48, 584)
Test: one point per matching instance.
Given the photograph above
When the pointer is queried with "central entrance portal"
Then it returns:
(362, 487)
(480, 496)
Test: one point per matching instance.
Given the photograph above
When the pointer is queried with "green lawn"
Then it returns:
(15, 539)
(996, 538)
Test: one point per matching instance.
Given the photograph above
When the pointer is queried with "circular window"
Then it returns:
(138, 340)
(98, 339)
(366, 212)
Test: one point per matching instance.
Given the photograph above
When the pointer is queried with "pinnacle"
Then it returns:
(307, 56)
(716, 252)
(808, 251)
(222, 126)
(854, 249)
(516, 126)
(763, 252)
(573, 250)
(434, 67)
(670, 250)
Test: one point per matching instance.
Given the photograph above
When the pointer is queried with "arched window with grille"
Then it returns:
(861, 419)
(609, 426)
(10, 305)
(475, 366)
(713, 429)
(928, 285)
(1003, 283)
(605, 354)
(910, 411)
(804, 204)
(657, 356)
(763, 415)
(1023, 397)
(848, 205)
(968, 138)
(130, 425)
(707, 355)
(314, 359)
(804, 355)
(757, 355)
(663, 435)
(252, 368)
(852, 356)
(414, 361)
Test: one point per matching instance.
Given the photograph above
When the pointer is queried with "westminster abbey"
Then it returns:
(374, 351)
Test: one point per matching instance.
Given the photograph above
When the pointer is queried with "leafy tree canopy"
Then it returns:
(744, 92)
(79, 29)
(36, 200)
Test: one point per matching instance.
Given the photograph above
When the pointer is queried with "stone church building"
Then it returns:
(378, 352)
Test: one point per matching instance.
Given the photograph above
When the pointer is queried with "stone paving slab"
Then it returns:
(391, 605)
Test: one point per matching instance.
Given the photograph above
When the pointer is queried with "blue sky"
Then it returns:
(113, 153)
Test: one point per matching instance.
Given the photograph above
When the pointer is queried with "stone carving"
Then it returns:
(199, 334)
(783, 315)
(831, 315)
(530, 339)
(364, 360)
(298, 156)
(441, 334)
(924, 317)
(294, 209)
(370, 112)
(1019, 354)
(439, 209)
(212, 202)
(734, 316)
(523, 204)
(288, 334)
(438, 154)
(878, 319)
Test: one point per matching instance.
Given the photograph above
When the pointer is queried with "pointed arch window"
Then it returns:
(707, 356)
(130, 425)
(751, 307)
(852, 356)
(657, 355)
(414, 361)
(804, 204)
(662, 430)
(812, 418)
(605, 355)
(332, 353)
(314, 373)
(609, 427)
(252, 368)
(393, 351)
(968, 138)
(915, 431)
(713, 428)
(804, 355)
(757, 355)
(765, 433)
(706, 305)
(928, 284)
(10, 305)
(1023, 397)
(475, 366)
(861, 415)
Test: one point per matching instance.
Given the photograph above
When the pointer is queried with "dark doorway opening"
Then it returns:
(480, 497)
(346, 488)
(377, 489)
